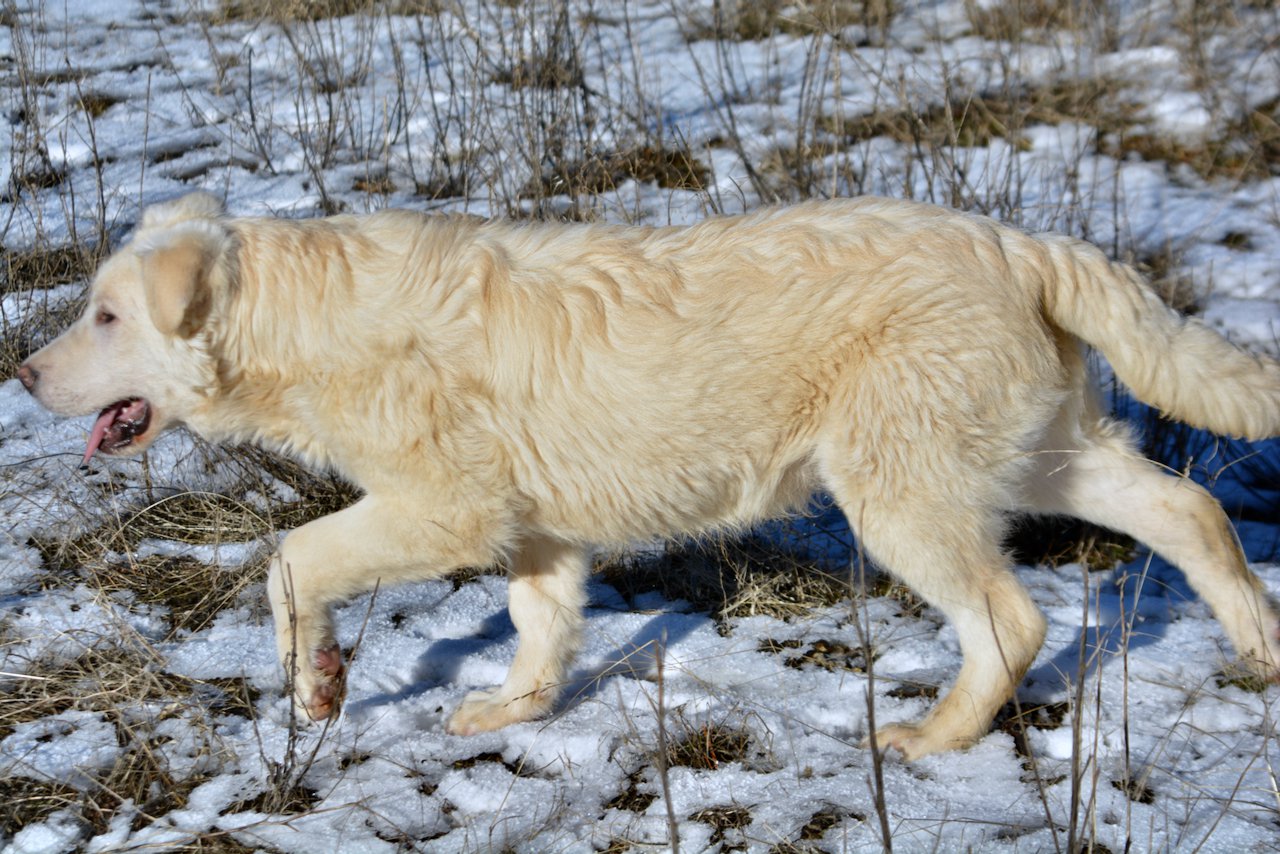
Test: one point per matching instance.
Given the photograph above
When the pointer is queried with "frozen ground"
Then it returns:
(1137, 735)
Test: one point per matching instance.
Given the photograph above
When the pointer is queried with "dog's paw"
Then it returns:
(320, 694)
(1262, 661)
(915, 740)
(484, 711)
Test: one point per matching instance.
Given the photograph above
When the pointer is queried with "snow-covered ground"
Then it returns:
(1138, 738)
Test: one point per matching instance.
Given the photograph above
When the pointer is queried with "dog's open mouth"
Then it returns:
(117, 426)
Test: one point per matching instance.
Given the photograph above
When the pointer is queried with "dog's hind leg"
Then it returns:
(1100, 477)
(547, 594)
(949, 555)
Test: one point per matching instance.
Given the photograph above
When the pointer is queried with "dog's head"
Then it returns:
(136, 356)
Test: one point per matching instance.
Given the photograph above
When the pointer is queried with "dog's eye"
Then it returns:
(104, 317)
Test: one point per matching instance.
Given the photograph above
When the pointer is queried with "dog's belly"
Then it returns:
(622, 502)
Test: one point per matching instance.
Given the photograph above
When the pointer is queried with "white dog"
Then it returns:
(519, 393)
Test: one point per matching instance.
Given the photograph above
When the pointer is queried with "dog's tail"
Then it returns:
(1176, 364)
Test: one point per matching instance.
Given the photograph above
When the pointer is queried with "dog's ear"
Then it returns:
(175, 279)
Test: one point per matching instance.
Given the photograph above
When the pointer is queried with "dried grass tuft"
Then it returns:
(670, 168)
(44, 267)
(28, 275)
(706, 744)
(631, 798)
(757, 20)
(122, 680)
(1245, 149)
(1014, 718)
(722, 819)
(110, 677)
(976, 119)
(193, 593)
(318, 10)
(292, 800)
(731, 576)
(1017, 20)
(823, 654)
(1059, 540)
(24, 801)
(198, 518)
(1239, 676)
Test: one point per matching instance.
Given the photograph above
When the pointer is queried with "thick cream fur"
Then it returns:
(522, 393)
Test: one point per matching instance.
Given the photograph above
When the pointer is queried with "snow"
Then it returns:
(1134, 663)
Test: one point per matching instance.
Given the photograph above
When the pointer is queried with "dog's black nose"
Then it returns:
(28, 375)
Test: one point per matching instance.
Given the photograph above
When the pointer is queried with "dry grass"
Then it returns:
(784, 573)
(24, 801)
(601, 173)
(731, 577)
(1246, 149)
(44, 267)
(124, 682)
(542, 71)
(750, 20)
(821, 654)
(1239, 676)
(812, 831)
(705, 745)
(295, 799)
(723, 819)
(976, 119)
(1057, 541)
(26, 275)
(1031, 20)
(110, 677)
(632, 799)
(35, 329)
(248, 510)
(34, 172)
(1165, 273)
(1015, 718)
(935, 132)
(318, 10)
(192, 593)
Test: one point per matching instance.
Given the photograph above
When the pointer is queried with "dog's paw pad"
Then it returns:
(329, 661)
(328, 690)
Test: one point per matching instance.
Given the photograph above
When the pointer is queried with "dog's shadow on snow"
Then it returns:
(441, 663)
(1128, 610)
(1146, 598)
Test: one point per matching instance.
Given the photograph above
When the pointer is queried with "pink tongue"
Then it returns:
(99, 430)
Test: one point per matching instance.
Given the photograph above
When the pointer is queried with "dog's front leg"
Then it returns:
(305, 641)
(547, 594)
(376, 540)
